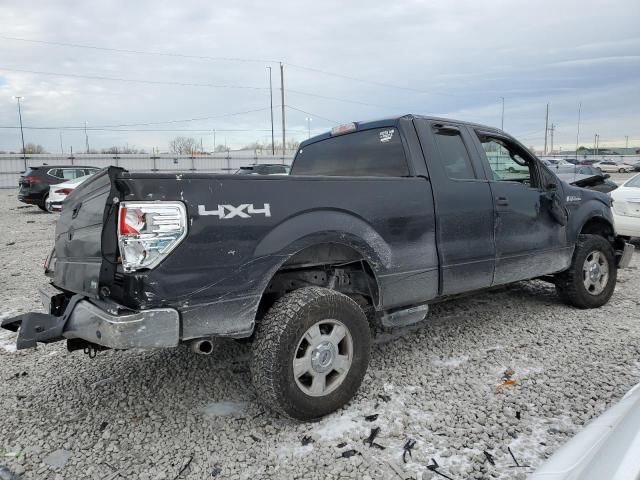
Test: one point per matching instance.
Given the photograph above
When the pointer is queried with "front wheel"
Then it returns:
(622, 170)
(591, 279)
(310, 353)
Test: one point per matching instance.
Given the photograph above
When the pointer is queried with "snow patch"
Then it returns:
(451, 362)
(224, 408)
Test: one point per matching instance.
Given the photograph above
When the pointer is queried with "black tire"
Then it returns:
(570, 284)
(622, 170)
(276, 342)
(43, 205)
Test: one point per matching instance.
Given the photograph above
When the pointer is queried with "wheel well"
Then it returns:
(330, 265)
(598, 226)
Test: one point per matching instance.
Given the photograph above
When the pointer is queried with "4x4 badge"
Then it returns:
(226, 212)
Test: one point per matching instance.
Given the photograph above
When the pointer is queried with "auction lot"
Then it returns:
(171, 414)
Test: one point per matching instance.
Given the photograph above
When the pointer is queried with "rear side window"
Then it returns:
(376, 153)
(454, 154)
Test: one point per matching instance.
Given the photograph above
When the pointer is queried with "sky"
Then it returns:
(136, 71)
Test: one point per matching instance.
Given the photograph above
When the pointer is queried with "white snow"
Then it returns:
(224, 408)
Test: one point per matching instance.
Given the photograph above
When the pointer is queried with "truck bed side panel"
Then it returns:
(217, 275)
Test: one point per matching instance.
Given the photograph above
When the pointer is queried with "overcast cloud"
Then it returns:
(452, 58)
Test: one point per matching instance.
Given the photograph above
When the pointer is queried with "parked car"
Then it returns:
(34, 182)
(636, 167)
(587, 161)
(559, 165)
(376, 221)
(60, 191)
(264, 169)
(626, 207)
(607, 448)
(610, 166)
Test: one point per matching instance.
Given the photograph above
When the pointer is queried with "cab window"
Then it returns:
(376, 152)
(507, 161)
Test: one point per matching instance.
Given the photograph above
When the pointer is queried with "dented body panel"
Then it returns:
(420, 237)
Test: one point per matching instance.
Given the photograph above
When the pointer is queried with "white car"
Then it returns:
(609, 166)
(607, 448)
(626, 207)
(60, 191)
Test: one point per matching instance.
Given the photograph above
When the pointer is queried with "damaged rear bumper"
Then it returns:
(109, 325)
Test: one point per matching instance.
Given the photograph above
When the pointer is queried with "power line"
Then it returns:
(140, 52)
(132, 80)
(100, 129)
(232, 59)
(312, 114)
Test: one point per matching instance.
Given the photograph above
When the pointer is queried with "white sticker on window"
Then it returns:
(386, 135)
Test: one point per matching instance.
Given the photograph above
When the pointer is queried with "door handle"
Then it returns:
(502, 201)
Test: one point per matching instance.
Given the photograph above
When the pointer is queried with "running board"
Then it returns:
(405, 317)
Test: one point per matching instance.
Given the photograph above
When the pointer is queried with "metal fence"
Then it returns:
(11, 165)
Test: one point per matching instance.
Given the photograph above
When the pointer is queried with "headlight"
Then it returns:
(149, 231)
(627, 209)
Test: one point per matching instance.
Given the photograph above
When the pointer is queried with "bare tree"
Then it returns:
(183, 145)
(124, 149)
(34, 148)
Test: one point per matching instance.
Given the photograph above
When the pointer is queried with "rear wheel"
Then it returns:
(591, 279)
(310, 353)
(622, 170)
(43, 204)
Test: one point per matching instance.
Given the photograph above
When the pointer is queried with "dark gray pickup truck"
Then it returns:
(376, 221)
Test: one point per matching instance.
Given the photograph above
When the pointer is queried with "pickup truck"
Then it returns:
(376, 221)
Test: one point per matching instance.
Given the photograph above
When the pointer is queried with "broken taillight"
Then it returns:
(149, 231)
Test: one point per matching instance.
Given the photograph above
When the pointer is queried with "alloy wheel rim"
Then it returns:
(595, 272)
(323, 357)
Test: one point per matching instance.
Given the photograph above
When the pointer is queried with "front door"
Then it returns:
(529, 241)
(463, 205)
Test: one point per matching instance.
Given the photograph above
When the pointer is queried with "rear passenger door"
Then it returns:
(463, 205)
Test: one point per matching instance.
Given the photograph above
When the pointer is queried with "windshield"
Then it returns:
(634, 182)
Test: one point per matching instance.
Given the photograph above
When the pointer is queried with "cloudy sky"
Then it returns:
(159, 64)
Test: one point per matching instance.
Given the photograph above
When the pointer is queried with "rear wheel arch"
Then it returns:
(332, 265)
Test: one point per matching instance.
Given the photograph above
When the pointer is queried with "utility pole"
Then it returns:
(308, 119)
(595, 144)
(86, 137)
(61, 147)
(502, 121)
(214, 141)
(24, 153)
(546, 129)
(284, 136)
(626, 141)
(552, 130)
(273, 140)
(578, 132)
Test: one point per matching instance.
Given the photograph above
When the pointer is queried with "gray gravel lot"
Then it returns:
(171, 414)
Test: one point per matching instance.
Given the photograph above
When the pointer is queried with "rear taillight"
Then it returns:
(29, 179)
(149, 231)
(64, 191)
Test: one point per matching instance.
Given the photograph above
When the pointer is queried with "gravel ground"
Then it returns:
(171, 414)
